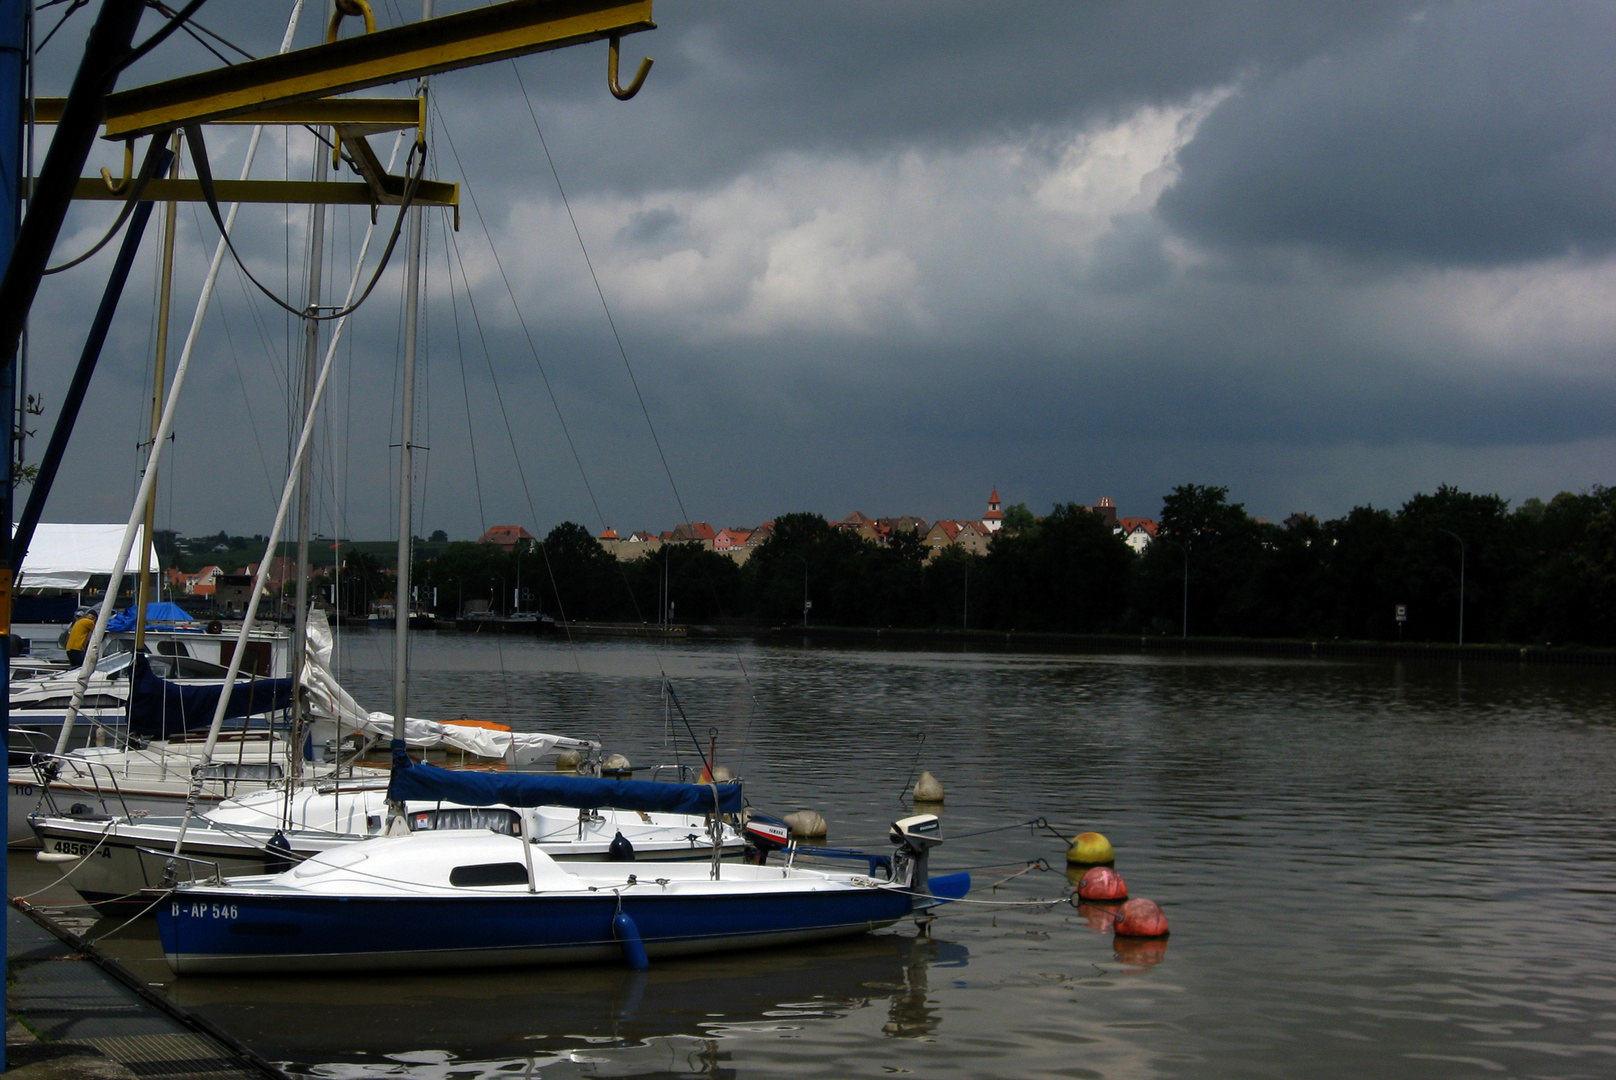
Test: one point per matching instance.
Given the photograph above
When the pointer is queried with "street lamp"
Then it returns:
(805, 602)
(1184, 620)
(1459, 538)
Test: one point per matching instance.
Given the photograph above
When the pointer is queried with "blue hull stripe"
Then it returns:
(205, 931)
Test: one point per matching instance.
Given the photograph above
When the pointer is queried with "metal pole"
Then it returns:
(1184, 619)
(165, 292)
(14, 21)
(305, 472)
(406, 465)
(1461, 540)
(93, 651)
(965, 619)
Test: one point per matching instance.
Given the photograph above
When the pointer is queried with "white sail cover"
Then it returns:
(62, 556)
(331, 707)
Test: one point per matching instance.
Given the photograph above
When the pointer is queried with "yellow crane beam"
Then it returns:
(426, 47)
(374, 114)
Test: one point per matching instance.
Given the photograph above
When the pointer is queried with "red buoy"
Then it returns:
(1141, 918)
(1102, 883)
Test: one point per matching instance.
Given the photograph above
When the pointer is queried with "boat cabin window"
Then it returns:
(91, 701)
(498, 873)
(114, 662)
(255, 658)
(172, 648)
(500, 820)
(230, 770)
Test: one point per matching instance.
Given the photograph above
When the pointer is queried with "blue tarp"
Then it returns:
(160, 708)
(156, 611)
(428, 783)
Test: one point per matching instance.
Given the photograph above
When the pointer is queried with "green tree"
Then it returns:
(1068, 574)
(1017, 518)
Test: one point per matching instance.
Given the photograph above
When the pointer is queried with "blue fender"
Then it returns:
(628, 936)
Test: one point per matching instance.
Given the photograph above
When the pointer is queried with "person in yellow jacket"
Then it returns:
(78, 636)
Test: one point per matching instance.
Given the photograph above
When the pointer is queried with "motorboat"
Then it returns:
(198, 657)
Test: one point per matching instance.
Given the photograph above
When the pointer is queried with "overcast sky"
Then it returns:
(887, 256)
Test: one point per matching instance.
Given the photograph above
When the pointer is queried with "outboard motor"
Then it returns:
(765, 834)
(915, 837)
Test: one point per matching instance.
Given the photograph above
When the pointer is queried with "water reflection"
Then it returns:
(1141, 954)
(1100, 915)
(913, 1014)
(677, 1019)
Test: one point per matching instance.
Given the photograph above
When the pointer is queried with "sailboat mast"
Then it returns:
(406, 462)
(305, 475)
(165, 291)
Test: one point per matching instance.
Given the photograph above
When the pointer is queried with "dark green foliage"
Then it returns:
(1545, 573)
(1069, 572)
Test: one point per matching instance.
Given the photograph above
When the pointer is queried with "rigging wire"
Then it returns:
(510, 433)
(161, 34)
(241, 376)
(639, 396)
(68, 14)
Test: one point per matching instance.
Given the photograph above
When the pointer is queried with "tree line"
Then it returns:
(1543, 573)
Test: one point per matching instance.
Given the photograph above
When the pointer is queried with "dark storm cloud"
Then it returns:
(737, 82)
(1291, 318)
(1478, 134)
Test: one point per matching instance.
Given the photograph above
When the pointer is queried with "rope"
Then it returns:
(204, 175)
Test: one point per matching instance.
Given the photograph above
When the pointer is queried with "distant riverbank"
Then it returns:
(1500, 654)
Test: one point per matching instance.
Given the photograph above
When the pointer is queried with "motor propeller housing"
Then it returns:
(919, 833)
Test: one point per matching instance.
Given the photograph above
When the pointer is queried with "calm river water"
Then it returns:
(1371, 869)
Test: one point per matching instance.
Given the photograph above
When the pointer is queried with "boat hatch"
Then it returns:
(505, 822)
(498, 873)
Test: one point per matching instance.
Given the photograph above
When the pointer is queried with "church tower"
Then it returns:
(993, 520)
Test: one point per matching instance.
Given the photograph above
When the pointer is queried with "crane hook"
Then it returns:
(619, 92)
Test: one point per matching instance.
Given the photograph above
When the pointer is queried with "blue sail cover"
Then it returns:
(160, 708)
(428, 783)
(156, 611)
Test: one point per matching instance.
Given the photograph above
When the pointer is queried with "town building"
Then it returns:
(1136, 532)
(1107, 509)
(507, 537)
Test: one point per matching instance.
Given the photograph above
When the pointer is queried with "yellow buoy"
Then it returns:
(928, 788)
(567, 760)
(1090, 848)
(806, 824)
(616, 763)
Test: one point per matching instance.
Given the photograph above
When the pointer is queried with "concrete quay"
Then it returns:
(73, 1012)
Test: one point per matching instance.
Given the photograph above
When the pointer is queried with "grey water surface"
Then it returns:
(1371, 870)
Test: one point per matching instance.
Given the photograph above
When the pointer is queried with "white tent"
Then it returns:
(67, 556)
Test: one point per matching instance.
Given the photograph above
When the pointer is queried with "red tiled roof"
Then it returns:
(506, 536)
